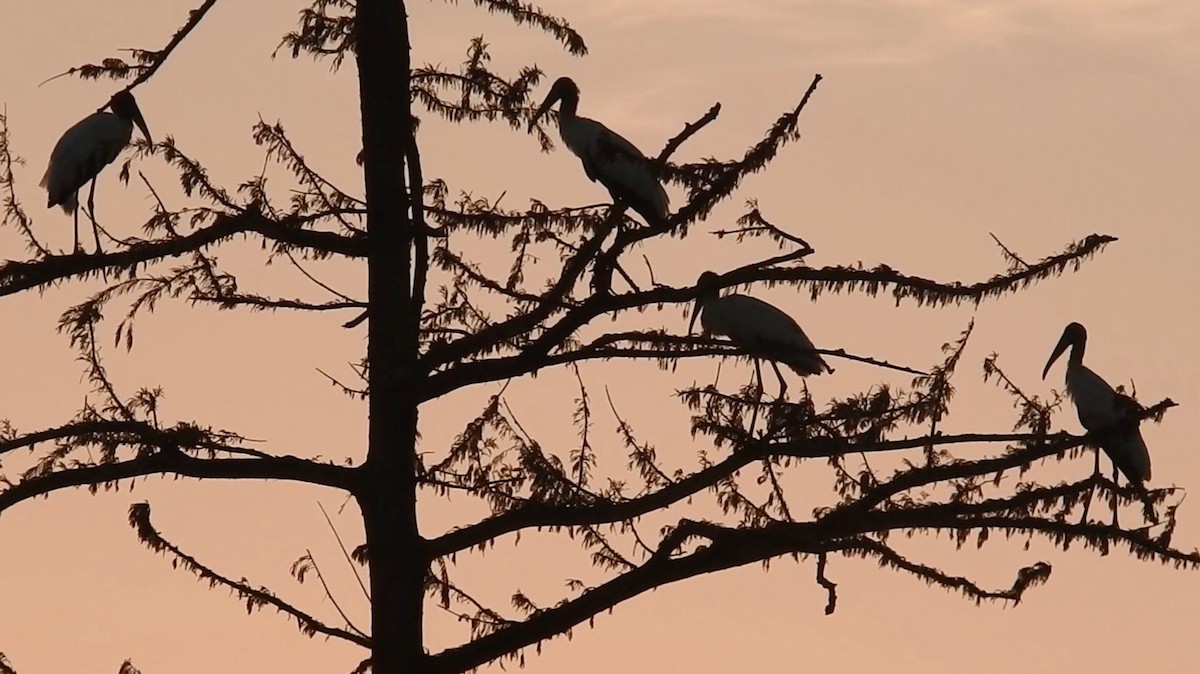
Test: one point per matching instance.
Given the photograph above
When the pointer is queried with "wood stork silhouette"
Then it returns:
(1104, 411)
(84, 150)
(758, 327)
(607, 157)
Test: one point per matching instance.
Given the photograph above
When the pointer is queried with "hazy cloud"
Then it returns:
(907, 31)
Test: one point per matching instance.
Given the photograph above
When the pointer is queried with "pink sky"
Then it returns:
(937, 123)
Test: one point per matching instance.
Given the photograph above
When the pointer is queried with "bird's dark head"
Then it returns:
(1075, 332)
(1074, 335)
(563, 89)
(125, 106)
(707, 283)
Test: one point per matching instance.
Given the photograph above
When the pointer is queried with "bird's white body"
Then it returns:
(617, 164)
(762, 328)
(1098, 406)
(85, 149)
(1102, 409)
(607, 158)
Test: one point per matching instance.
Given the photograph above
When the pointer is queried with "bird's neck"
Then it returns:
(1076, 358)
(567, 107)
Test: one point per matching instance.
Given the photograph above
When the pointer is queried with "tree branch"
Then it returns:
(139, 519)
(16, 275)
(533, 514)
(177, 463)
(146, 62)
(923, 291)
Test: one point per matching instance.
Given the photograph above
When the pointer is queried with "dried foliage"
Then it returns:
(571, 267)
(255, 597)
(142, 64)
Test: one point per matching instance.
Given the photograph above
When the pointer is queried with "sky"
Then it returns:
(937, 124)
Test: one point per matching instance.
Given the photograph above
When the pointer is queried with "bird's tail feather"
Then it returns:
(70, 203)
(805, 364)
(1128, 452)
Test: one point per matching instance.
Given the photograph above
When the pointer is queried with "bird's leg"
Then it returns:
(76, 249)
(1092, 489)
(1088, 503)
(757, 398)
(782, 383)
(1116, 477)
(92, 214)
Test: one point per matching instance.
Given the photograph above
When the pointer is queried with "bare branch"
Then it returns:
(146, 63)
(139, 519)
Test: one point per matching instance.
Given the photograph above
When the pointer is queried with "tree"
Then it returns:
(439, 322)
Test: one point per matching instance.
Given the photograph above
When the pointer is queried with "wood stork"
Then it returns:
(607, 157)
(1101, 408)
(84, 150)
(757, 327)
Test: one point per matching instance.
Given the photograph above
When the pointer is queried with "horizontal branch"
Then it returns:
(85, 429)
(871, 281)
(927, 292)
(728, 547)
(726, 552)
(261, 303)
(534, 515)
(1028, 576)
(169, 462)
(674, 345)
(19, 275)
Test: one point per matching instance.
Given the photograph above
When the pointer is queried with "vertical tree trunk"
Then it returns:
(388, 495)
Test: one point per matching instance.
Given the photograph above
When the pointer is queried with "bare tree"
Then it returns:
(438, 323)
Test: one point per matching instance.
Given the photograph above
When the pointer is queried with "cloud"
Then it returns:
(912, 31)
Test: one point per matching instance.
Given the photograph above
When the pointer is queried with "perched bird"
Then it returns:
(757, 327)
(607, 157)
(84, 150)
(1101, 408)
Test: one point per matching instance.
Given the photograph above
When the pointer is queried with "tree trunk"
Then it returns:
(388, 494)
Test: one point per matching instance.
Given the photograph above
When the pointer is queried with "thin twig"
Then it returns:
(1013, 257)
(353, 566)
(329, 593)
(829, 585)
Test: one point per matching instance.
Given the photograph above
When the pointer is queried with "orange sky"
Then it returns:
(937, 123)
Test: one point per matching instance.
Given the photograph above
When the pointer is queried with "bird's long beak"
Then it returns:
(691, 325)
(696, 308)
(551, 98)
(141, 123)
(1063, 343)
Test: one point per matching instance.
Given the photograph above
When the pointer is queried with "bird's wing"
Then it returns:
(1093, 397)
(612, 147)
(752, 323)
(86, 148)
(1128, 452)
(613, 161)
(758, 326)
(1124, 442)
